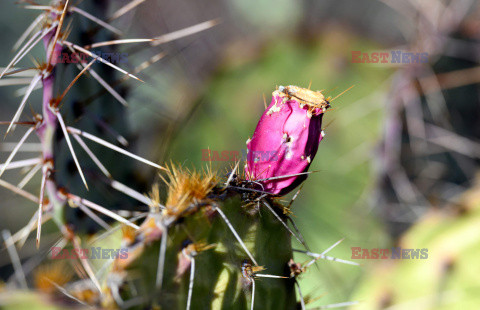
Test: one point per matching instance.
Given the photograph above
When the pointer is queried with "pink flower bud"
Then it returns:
(286, 139)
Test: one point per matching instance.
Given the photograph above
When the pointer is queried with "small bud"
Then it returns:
(286, 138)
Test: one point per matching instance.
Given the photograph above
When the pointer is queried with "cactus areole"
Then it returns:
(286, 139)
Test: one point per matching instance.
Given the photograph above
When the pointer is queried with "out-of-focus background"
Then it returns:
(398, 166)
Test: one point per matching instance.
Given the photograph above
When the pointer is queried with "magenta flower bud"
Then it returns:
(286, 139)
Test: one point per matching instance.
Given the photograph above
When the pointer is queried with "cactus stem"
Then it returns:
(225, 219)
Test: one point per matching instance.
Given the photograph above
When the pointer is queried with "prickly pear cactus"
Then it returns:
(208, 242)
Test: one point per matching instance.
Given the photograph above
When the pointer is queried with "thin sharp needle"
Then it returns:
(225, 219)
(27, 32)
(283, 222)
(32, 39)
(161, 259)
(271, 276)
(40, 205)
(15, 150)
(131, 192)
(101, 81)
(184, 32)
(339, 305)
(22, 163)
(32, 85)
(66, 293)
(18, 191)
(302, 301)
(92, 156)
(101, 209)
(332, 246)
(24, 72)
(29, 176)
(86, 266)
(75, 79)
(116, 42)
(24, 232)
(111, 146)
(230, 177)
(69, 143)
(38, 7)
(285, 176)
(190, 284)
(253, 294)
(94, 217)
(96, 20)
(15, 81)
(22, 235)
(57, 33)
(27, 48)
(17, 265)
(81, 49)
(114, 229)
(125, 9)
